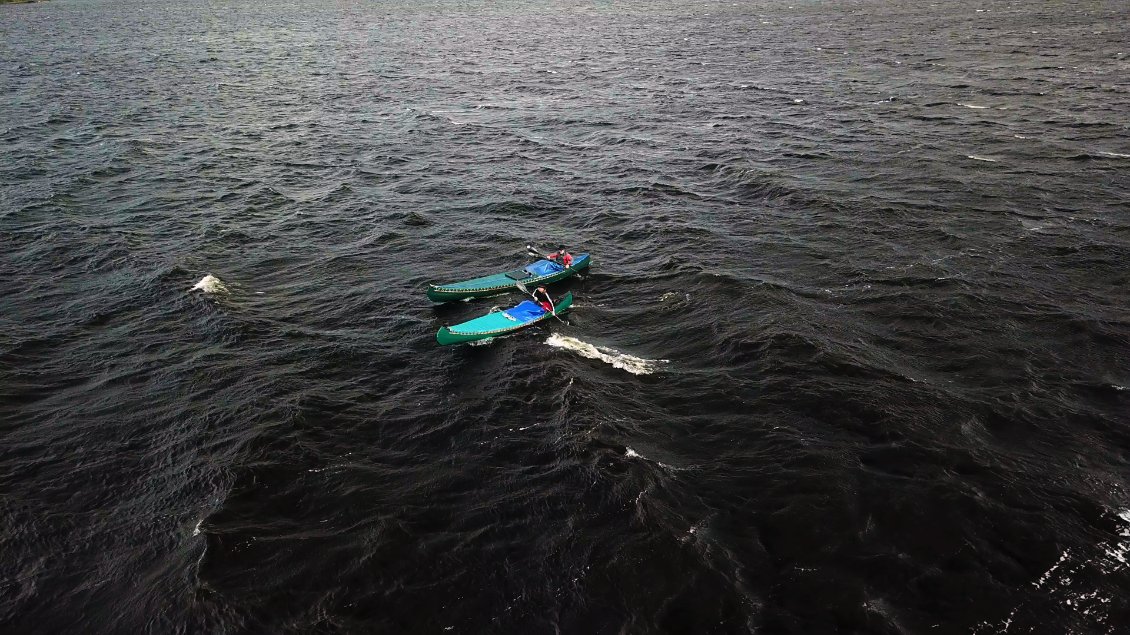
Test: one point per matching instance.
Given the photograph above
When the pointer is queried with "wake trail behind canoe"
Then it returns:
(624, 361)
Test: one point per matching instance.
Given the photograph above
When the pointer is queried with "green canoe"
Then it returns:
(540, 272)
(500, 322)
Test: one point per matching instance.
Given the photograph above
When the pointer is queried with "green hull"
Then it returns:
(493, 325)
(500, 283)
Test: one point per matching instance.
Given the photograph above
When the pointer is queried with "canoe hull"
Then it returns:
(500, 283)
(467, 332)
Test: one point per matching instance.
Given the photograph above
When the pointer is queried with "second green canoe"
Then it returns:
(500, 323)
(538, 273)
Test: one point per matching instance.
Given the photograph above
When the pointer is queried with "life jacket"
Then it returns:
(545, 305)
(566, 259)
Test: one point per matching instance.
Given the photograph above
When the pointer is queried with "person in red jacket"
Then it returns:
(541, 296)
(561, 257)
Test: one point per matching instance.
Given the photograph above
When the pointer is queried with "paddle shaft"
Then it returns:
(552, 309)
(534, 251)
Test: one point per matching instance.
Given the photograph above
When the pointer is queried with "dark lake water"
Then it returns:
(853, 356)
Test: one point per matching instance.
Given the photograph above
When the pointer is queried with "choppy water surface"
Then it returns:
(852, 356)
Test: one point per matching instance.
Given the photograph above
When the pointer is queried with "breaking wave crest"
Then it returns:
(624, 361)
(210, 284)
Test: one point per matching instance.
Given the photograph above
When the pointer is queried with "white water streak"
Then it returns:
(624, 361)
(632, 454)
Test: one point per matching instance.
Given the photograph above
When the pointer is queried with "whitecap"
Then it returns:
(623, 361)
(1116, 155)
(980, 158)
(1048, 574)
(1118, 551)
(973, 106)
(210, 284)
(693, 531)
(632, 454)
(196, 530)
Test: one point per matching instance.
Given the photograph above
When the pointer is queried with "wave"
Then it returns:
(210, 284)
(1071, 580)
(632, 454)
(623, 361)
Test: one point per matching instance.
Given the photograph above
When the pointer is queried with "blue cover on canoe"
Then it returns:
(526, 311)
(544, 267)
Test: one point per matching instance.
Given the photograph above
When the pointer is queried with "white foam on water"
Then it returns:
(1116, 155)
(980, 158)
(693, 531)
(623, 361)
(210, 284)
(1047, 574)
(973, 106)
(196, 530)
(487, 342)
(1119, 551)
(632, 454)
(1068, 580)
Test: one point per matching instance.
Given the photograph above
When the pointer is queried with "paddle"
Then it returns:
(552, 309)
(537, 252)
